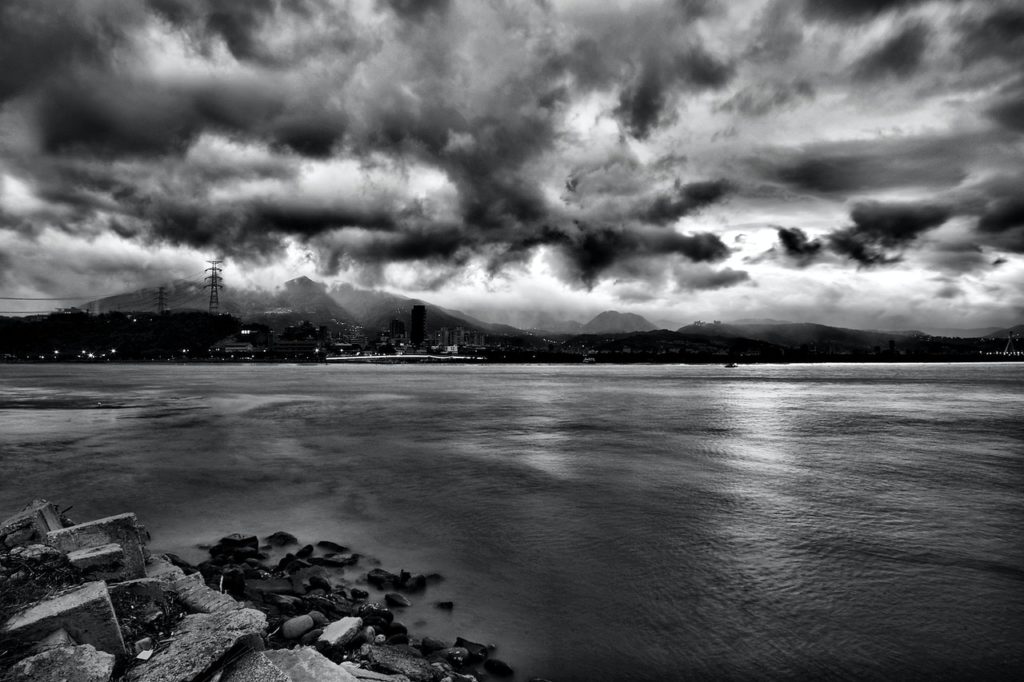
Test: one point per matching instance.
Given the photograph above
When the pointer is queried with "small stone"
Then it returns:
(305, 552)
(293, 628)
(332, 546)
(358, 594)
(498, 667)
(379, 577)
(380, 639)
(395, 599)
(477, 652)
(430, 644)
(319, 619)
(445, 605)
(338, 635)
(456, 655)
(400, 638)
(238, 541)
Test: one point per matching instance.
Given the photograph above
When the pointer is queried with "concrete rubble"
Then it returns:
(88, 603)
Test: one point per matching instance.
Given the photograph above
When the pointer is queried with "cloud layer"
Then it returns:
(679, 156)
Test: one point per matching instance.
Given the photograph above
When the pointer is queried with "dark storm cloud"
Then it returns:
(1008, 108)
(860, 165)
(897, 57)
(878, 228)
(796, 244)
(856, 10)
(684, 200)
(237, 23)
(39, 38)
(94, 113)
(998, 34)
(415, 9)
(645, 103)
(591, 251)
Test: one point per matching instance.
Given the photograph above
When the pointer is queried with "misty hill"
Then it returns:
(375, 310)
(296, 300)
(1016, 330)
(179, 296)
(614, 322)
(795, 335)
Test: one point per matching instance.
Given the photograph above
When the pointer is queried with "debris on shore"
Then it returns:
(90, 603)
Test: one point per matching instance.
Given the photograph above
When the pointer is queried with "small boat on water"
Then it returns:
(731, 365)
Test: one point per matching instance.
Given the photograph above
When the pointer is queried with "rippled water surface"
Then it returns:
(595, 522)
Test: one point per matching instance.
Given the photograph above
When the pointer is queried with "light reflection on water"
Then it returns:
(598, 523)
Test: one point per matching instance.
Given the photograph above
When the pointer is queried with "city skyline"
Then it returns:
(858, 164)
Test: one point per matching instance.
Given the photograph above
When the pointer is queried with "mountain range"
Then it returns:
(345, 307)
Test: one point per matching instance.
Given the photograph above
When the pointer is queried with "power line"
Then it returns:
(214, 285)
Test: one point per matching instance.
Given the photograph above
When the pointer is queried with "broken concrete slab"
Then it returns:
(105, 562)
(253, 666)
(163, 569)
(55, 640)
(66, 664)
(86, 612)
(31, 524)
(202, 643)
(307, 665)
(121, 529)
(338, 635)
(198, 598)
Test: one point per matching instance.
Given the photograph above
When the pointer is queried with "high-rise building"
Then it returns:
(418, 331)
(397, 329)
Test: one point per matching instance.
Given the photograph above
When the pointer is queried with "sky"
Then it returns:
(848, 162)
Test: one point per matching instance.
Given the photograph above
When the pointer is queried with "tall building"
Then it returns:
(418, 332)
(397, 329)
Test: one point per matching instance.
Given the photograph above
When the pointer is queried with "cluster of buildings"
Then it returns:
(307, 341)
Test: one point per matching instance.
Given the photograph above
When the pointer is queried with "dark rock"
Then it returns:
(400, 638)
(434, 578)
(310, 638)
(498, 667)
(233, 582)
(238, 541)
(415, 583)
(327, 561)
(296, 565)
(358, 594)
(379, 577)
(395, 599)
(319, 619)
(281, 539)
(445, 605)
(285, 560)
(429, 645)
(318, 583)
(403, 576)
(456, 655)
(305, 552)
(270, 585)
(331, 546)
(397, 628)
(477, 652)
(285, 602)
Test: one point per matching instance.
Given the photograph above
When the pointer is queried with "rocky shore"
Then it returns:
(89, 602)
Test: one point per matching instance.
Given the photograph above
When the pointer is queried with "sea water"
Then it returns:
(594, 522)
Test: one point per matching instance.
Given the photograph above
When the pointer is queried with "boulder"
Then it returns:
(498, 667)
(281, 539)
(201, 643)
(400, 660)
(477, 652)
(308, 665)
(395, 599)
(85, 612)
(239, 541)
(331, 546)
(305, 552)
(429, 644)
(379, 577)
(293, 628)
(66, 664)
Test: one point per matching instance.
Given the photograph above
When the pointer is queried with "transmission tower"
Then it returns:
(1009, 350)
(161, 300)
(213, 284)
